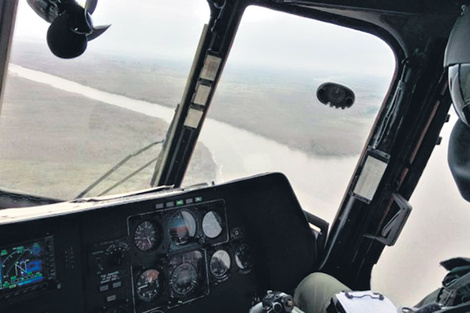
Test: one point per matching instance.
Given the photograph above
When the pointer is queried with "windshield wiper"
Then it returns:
(117, 166)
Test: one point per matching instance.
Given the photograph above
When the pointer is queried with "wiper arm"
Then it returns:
(117, 166)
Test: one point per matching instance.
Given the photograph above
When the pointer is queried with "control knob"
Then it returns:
(117, 253)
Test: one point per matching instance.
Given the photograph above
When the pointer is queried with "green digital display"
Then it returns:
(22, 265)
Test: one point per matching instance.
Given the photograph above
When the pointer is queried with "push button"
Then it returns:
(104, 288)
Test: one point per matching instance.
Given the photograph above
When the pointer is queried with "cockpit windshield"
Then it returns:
(66, 124)
(266, 117)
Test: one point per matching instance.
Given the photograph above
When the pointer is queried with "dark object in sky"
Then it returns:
(335, 95)
(71, 25)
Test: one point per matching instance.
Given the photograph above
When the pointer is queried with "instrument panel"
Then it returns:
(181, 246)
(213, 249)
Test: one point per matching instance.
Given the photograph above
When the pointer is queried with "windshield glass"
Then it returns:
(265, 115)
(65, 123)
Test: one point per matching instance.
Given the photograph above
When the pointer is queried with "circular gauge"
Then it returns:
(117, 253)
(243, 257)
(147, 236)
(220, 263)
(148, 285)
(212, 224)
(184, 280)
(182, 227)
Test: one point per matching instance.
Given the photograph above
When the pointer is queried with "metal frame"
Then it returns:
(8, 10)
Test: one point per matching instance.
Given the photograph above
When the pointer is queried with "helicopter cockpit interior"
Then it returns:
(200, 250)
(153, 168)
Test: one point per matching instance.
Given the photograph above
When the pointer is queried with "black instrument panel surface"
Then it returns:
(206, 250)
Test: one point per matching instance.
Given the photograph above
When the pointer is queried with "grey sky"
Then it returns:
(141, 27)
(172, 28)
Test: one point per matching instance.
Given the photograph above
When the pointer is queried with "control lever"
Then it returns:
(275, 302)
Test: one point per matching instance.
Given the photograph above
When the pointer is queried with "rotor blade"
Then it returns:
(90, 5)
(98, 30)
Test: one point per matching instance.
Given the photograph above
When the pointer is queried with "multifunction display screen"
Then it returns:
(26, 264)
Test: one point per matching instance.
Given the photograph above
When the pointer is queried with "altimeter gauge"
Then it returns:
(148, 285)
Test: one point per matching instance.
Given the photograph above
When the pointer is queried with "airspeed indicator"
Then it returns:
(147, 236)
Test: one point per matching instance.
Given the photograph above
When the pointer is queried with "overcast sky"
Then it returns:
(172, 28)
